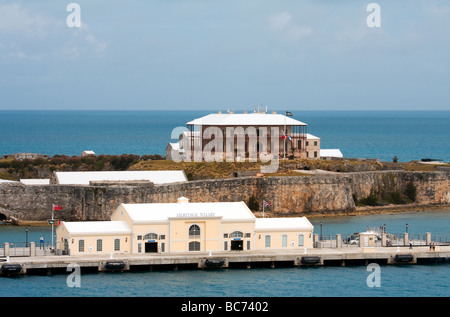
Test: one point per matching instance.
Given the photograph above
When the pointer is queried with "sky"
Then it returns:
(233, 54)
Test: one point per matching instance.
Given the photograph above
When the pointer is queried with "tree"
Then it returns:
(253, 204)
(411, 191)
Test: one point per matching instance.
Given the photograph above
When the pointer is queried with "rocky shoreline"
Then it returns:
(363, 211)
(359, 211)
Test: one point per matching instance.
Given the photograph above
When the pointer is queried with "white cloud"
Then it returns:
(82, 40)
(297, 32)
(282, 23)
(31, 34)
(14, 19)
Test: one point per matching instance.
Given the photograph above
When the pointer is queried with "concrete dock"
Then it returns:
(343, 256)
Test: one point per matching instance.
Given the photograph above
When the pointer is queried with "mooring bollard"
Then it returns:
(338, 240)
(428, 238)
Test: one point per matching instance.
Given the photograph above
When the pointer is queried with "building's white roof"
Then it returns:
(330, 153)
(312, 137)
(285, 224)
(89, 152)
(157, 177)
(97, 228)
(35, 181)
(6, 181)
(175, 146)
(161, 212)
(245, 119)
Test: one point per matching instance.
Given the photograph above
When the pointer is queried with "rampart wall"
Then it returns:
(297, 194)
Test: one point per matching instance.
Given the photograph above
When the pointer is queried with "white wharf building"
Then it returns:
(183, 227)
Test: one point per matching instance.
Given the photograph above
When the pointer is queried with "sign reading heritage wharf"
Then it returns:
(196, 214)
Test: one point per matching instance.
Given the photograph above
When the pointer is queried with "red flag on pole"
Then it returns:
(57, 207)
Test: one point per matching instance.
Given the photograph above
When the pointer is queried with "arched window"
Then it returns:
(151, 236)
(300, 240)
(236, 234)
(99, 245)
(194, 232)
(194, 246)
(116, 244)
(80, 245)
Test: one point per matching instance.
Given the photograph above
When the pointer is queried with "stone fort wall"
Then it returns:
(307, 195)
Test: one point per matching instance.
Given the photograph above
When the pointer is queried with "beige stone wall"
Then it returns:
(308, 195)
(313, 149)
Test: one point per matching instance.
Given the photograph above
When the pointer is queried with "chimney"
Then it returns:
(183, 200)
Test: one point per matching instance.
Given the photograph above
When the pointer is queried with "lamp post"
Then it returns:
(26, 237)
(406, 228)
(321, 231)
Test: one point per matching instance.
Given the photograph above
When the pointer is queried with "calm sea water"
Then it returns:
(372, 134)
(398, 281)
(364, 134)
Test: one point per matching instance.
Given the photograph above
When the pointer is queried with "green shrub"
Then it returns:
(5, 164)
(253, 204)
(411, 191)
(371, 200)
(395, 198)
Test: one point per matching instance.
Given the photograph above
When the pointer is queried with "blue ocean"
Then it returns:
(417, 280)
(360, 134)
(409, 135)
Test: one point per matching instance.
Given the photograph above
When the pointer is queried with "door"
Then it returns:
(366, 241)
(151, 247)
(237, 245)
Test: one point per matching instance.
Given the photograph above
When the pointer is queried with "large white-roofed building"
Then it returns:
(85, 178)
(183, 227)
(259, 131)
(236, 135)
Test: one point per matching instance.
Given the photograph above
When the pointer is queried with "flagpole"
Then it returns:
(264, 203)
(284, 133)
(53, 208)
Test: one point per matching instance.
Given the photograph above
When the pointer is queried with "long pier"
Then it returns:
(343, 256)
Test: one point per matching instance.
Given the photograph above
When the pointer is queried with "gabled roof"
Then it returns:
(161, 212)
(245, 119)
(311, 137)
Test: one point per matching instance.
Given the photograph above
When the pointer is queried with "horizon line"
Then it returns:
(234, 110)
